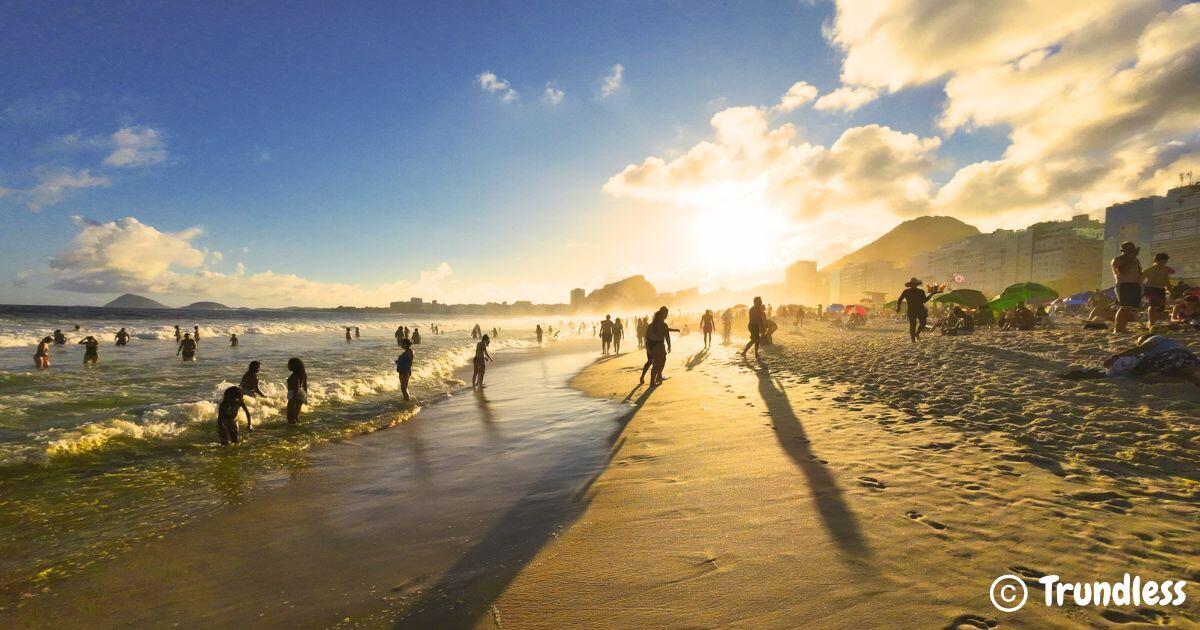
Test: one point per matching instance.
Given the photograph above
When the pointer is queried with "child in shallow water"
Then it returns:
(227, 412)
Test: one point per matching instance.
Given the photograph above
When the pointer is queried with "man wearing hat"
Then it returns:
(916, 298)
(1127, 271)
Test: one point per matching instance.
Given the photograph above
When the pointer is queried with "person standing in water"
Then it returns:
(297, 389)
(399, 334)
(122, 337)
(91, 350)
(618, 331)
(233, 340)
(606, 334)
(59, 338)
(41, 357)
(404, 365)
(706, 327)
(918, 313)
(481, 355)
(357, 335)
(416, 336)
(348, 337)
(1127, 271)
(538, 333)
(227, 413)
(249, 384)
(187, 348)
(178, 334)
(758, 320)
(196, 336)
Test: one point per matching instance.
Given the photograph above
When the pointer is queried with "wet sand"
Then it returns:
(422, 523)
(755, 496)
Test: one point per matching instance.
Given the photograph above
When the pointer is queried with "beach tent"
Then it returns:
(834, 308)
(1079, 299)
(856, 308)
(1029, 292)
(969, 298)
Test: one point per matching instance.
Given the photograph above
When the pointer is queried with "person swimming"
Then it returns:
(249, 384)
(122, 337)
(227, 413)
(91, 350)
(404, 364)
(233, 340)
(59, 338)
(41, 357)
(481, 356)
(187, 348)
(297, 389)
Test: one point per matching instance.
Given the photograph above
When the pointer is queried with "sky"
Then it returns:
(356, 153)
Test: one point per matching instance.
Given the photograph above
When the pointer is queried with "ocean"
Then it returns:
(95, 459)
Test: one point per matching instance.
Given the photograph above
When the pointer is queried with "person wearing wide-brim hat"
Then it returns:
(1127, 271)
(915, 298)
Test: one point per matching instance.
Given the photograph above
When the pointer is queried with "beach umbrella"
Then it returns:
(1029, 292)
(856, 309)
(834, 308)
(740, 306)
(1002, 303)
(969, 298)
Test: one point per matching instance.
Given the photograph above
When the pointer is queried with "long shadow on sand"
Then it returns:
(836, 516)
(697, 359)
(465, 592)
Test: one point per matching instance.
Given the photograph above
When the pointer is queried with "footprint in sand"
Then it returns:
(920, 518)
(972, 622)
(871, 482)
(1142, 615)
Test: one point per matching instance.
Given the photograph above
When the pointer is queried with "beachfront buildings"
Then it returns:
(803, 283)
(1059, 254)
(851, 283)
(577, 298)
(1169, 224)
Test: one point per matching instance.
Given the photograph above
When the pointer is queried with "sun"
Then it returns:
(738, 238)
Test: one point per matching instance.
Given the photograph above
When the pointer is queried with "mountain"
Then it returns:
(912, 237)
(207, 306)
(130, 300)
(632, 291)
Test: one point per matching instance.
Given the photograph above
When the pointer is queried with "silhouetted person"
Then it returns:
(618, 332)
(233, 340)
(399, 334)
(249, 384)
(297, 389)
(918, 313)
(187, 348)
(122, 337)
(538, 333)
(706, 327)
(91, 350)
(606, 334)
(196, 336)
(404, 364)
(726, 324)
(757, 325)
(481, 355)
(658, 344)
(59, 338)
(227, 413)
(1127, 271)
(178, 335)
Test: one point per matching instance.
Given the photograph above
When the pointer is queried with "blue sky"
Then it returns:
(353, 143)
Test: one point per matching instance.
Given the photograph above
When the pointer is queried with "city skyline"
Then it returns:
(486, 154)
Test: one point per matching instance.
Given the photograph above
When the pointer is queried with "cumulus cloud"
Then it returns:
(494, 84)
(846, 99)
(127, 255)
(54, 185)
(136, 147)
(797, 96)
(613, 82)
(552, 96)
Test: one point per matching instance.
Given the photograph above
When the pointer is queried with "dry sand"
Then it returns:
(889, 493)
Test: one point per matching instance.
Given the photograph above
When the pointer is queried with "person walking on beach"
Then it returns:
(706, 327)
(1127, 271)
(91, 350)
(187, 348)
(481, 356)
(918, 313)
(122, 337)
(758, 320)
(1158, 286)
(227, 413)
(41, 357)
(606, 334)
(404, 364)
(297, 389)
(249, 384)
(658, 344)
(618, 331)
(233, 340)
(641, 331)
(538, 332)
(726, 324)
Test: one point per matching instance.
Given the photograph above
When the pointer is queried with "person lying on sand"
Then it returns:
(960, 322)
(1019, 318)
(1187, 312)
(1157, 359)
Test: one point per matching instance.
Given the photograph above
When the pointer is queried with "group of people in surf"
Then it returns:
(233, 400)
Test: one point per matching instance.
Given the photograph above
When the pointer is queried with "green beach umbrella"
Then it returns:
(969, 298)
(1002, 303)
(1030, 292)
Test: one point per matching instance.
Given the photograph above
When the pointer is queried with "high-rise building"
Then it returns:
(855, 280)
(1159, 224)
(803, 282)
(577, 298)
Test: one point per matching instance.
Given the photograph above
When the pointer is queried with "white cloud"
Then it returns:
(613, 82)
(494, 84)
(797, 96)
(54, 185)
(136, 147)
(553, 96)
(846, 99)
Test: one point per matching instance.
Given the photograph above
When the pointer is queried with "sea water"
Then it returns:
(94, 459)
